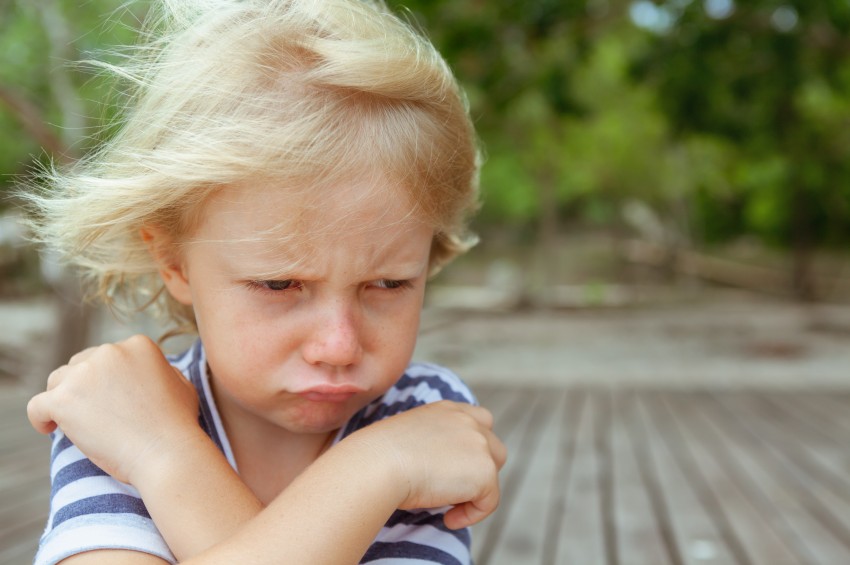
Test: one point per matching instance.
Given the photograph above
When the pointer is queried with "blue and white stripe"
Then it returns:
(90, 510)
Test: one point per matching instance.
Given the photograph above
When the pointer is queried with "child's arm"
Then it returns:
(126, 408)
(333, 511)
(143, 430)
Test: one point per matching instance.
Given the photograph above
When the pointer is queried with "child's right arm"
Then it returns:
(431, 456)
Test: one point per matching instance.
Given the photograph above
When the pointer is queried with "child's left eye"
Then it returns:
(275, 285)
(390, 284)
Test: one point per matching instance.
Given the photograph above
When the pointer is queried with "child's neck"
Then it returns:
(268, 467)
(267, 456)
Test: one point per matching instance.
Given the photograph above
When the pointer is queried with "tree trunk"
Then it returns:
(547, 232)
(801, 271)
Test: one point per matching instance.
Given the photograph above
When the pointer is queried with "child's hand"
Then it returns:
(443, 453)
(120, 404)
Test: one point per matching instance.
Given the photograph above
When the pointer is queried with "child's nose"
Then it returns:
(335, 339)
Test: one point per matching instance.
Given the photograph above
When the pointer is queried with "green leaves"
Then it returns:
(738, 111)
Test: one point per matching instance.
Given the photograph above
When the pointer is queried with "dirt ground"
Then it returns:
(722, 339)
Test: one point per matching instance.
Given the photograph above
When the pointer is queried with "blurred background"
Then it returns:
(666, 206)
(639, 154)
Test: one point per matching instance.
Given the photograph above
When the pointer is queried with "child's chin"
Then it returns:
(320, 421)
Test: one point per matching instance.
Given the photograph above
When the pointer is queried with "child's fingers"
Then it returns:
(39, 413)
(485, 419)
(472, 512)
(499, 451)
(55, 378)
(82, 355)
(481, 415)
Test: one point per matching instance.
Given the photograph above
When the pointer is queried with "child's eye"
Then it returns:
(276, 285)
(390, 284)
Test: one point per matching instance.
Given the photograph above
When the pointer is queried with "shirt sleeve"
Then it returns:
(418, 536)
(90, 510)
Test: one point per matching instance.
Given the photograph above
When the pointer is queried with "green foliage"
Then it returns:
(20, 36)
(735, 112)
(770, 79)
(51, 95)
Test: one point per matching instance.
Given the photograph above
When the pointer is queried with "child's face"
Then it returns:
(302, 334)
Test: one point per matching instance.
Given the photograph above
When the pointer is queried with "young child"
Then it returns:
(288, 175)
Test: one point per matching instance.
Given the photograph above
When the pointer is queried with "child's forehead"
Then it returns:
(314, 204)
(260, 229)
(285, 215)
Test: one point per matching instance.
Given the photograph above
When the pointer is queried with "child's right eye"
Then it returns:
(275, 285)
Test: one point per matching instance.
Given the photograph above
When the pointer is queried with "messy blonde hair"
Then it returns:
(299, 92)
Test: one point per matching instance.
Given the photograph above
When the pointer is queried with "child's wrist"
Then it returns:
(380, 463)
(167, 460)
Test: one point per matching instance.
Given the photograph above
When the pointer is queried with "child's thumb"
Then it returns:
(39, 413)
(472, 512)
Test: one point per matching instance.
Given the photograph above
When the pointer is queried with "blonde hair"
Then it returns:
(301, 92)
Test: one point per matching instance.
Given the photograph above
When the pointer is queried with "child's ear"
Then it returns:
(171, 269)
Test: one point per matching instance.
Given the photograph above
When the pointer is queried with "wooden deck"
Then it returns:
(24, 480)
(607, 477)
(655, 478)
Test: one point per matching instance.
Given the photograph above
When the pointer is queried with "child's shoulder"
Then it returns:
(421, 383)
(191, 356)
(431, 383)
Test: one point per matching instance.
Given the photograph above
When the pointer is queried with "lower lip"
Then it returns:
(335, 398)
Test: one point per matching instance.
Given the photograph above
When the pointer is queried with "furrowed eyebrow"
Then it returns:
(406, 270)
(267, 266)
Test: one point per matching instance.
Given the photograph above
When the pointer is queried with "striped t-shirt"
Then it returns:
(90, 510)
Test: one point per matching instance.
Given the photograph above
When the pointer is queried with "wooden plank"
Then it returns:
(770, 487)
(817, 527)
(23, 515)
(701, 531)
(20, 550)
(760, 408)
(640, 540)
(512, 428)
(642, 448)
(818, 410)
(823, 417)
(24, 479)
(835, 406)
(581, 538)
(816, 450)
(762, 542)
(521, 539)
(499, 400)
(568, 423)
(35, 487)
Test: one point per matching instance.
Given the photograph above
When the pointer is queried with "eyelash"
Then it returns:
(265, 285)
(397, 285)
